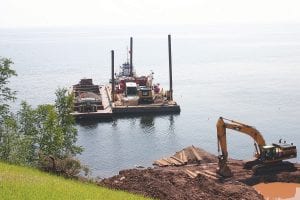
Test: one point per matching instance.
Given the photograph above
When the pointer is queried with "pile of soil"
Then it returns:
(173, 182)
(169, 184)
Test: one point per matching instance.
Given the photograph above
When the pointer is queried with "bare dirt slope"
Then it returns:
(196, 180)
(172, 184)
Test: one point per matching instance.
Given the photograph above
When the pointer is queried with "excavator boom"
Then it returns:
(240, 127)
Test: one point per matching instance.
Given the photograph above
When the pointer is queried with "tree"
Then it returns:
(28, 128)
(64, 106)
(8, 124)
(8, 138)
(35, 136)
(49, 130)
(6, 93)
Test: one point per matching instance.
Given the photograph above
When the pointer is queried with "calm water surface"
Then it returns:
(245, 73)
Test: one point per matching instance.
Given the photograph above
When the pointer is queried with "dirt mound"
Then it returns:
(191, 174)
(171, 184)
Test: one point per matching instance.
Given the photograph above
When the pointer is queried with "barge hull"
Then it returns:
(93, 115)
(145, 109)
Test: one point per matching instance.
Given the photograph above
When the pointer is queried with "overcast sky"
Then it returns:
(32, 13)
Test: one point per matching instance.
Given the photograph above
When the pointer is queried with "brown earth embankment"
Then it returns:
(197, 180)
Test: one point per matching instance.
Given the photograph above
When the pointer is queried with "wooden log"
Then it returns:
(178, 160)
(194, 151)
(191, 174)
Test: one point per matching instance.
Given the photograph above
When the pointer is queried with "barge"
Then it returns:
(133, 94)
(90, 101)
(126, 94)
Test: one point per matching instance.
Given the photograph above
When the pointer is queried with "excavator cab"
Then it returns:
(278, 152)
(268, 153)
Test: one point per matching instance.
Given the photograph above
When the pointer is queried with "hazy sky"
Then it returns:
(24, 13)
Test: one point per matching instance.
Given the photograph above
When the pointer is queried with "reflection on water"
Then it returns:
(147, 121)
(171, 126)
(126, 142)
(278, 190)
(91, 123)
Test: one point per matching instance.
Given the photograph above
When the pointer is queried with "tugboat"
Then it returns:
(87, 97)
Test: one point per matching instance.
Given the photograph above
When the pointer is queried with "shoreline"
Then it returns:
(196, 181)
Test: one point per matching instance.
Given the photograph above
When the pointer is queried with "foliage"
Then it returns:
(64, 106)
(8, 125)
(28, 128)
(6, 93)
(52, 135)
(25, 183)
(69, 167)
(33, 135)
(9, 137)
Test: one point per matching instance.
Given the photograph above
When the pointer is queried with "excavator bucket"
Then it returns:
(223, 168)
(224, 171)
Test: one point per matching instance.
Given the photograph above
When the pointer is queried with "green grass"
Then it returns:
(26, 183)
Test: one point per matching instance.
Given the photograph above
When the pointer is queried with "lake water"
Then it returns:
(248, 73)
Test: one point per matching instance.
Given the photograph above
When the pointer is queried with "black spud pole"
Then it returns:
(170, 68)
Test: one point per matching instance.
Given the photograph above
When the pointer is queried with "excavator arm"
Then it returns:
(222, 141)
(240, 127)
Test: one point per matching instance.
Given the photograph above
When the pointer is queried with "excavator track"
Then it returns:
(250, 164)
(271, 168)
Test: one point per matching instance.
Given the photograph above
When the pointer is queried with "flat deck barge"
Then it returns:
(111, 110)
(128, 94)
(105, 113)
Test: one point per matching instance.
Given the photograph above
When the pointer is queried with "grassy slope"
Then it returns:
(26, 183)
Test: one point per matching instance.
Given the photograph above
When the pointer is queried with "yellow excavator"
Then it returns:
(268, 157)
